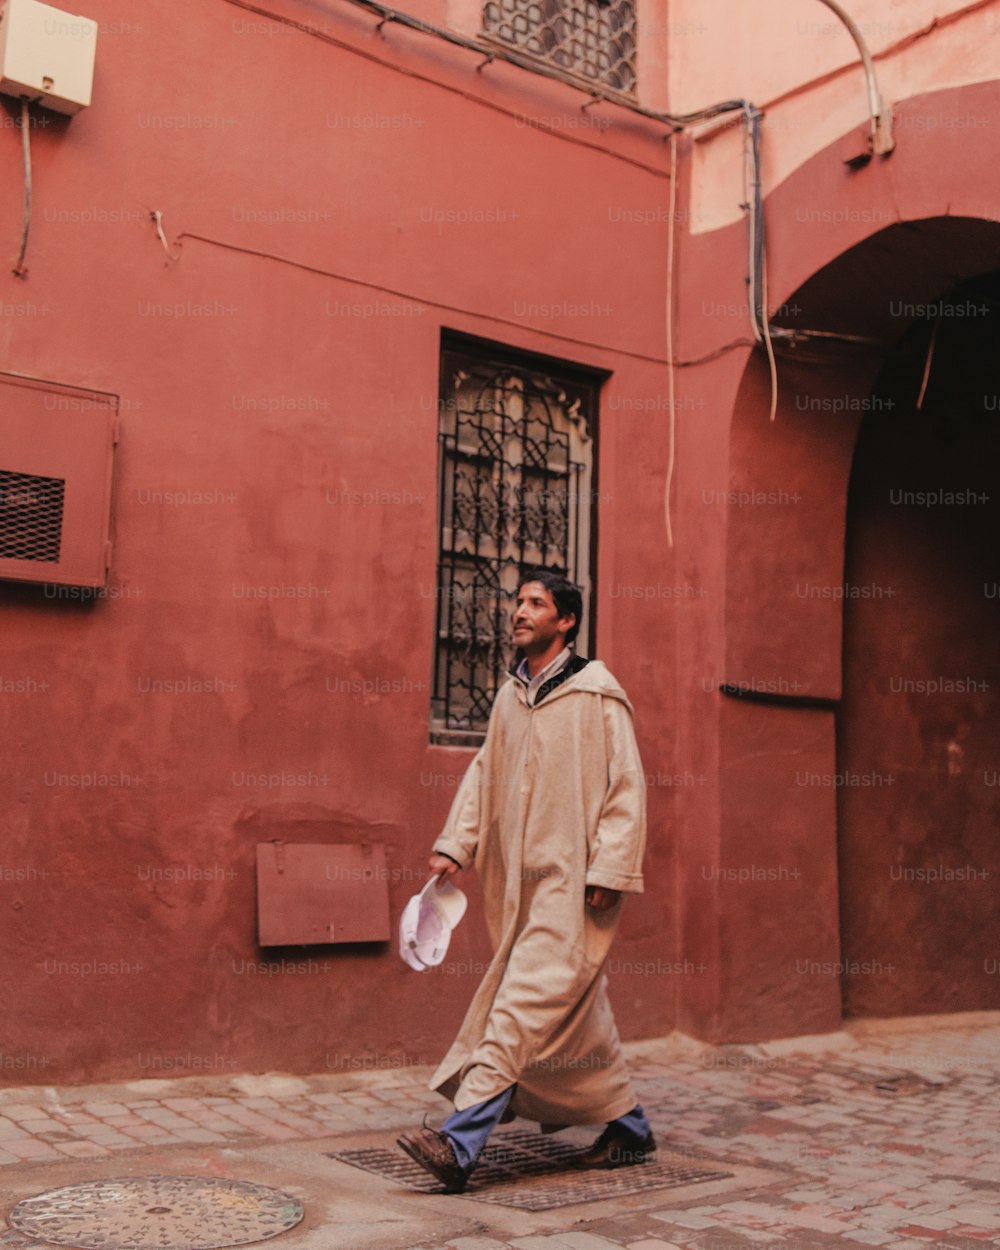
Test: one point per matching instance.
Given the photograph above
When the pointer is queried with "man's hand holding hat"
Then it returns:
(443, 866)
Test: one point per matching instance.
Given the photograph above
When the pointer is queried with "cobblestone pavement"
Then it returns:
(885, 1135)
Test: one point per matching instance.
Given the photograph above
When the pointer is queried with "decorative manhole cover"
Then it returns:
(532, 1172)
(157, 1213)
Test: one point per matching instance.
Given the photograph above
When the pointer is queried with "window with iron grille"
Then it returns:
(591, 39)
(517, 493)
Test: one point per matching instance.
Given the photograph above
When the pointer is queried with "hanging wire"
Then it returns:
(157, 219)
(494, 54)
(756, 250)
(772, 365)
(753, 117)
(751, 185)
(671, 452)
(19, 269)
(756, 279)
(927, 364)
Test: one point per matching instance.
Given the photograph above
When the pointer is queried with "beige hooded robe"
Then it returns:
(553, 801)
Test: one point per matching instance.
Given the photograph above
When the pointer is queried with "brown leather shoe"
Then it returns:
(433, 1151)
(615, 1149)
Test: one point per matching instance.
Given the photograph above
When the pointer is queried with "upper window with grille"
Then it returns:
(517, 493)
(593, 40)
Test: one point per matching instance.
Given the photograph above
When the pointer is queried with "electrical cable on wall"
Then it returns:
(672, 421)
(751, 206)
(756, 245)
(880, 143)
(19, 269)
(46, 61)
(880, 140)
(496, 54)
(771, 363)
(157, 219)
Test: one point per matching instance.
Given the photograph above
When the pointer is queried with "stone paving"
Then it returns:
(885, 1135)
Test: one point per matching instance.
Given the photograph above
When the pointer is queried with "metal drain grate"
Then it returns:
(532, 1172)
(157, 1213)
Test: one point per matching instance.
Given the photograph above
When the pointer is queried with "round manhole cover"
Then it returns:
(157, 1213)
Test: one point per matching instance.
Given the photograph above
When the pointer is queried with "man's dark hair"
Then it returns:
(566, 595)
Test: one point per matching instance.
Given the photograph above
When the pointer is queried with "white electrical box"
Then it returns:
(46, 55)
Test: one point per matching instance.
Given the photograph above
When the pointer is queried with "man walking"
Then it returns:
(552, 813)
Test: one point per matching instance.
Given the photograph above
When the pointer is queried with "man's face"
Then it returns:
(537, 623)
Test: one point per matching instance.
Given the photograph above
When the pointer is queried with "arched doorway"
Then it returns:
(918, 730)
(818, 930)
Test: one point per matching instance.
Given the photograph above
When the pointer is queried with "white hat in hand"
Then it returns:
(427, 921)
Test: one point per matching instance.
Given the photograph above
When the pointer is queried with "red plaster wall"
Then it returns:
(347, 212)
(354, 194)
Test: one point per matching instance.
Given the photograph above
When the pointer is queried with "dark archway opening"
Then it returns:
(918, 730)
(804, 725)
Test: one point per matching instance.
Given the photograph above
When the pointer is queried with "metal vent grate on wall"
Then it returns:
(55, 482)
(31, 515)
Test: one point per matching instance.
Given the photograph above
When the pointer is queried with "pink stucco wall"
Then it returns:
(259, 665)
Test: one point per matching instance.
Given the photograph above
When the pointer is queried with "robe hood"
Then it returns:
(593, 679)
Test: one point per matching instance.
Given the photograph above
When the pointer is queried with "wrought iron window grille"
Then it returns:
(516, 472)
(594, 40)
